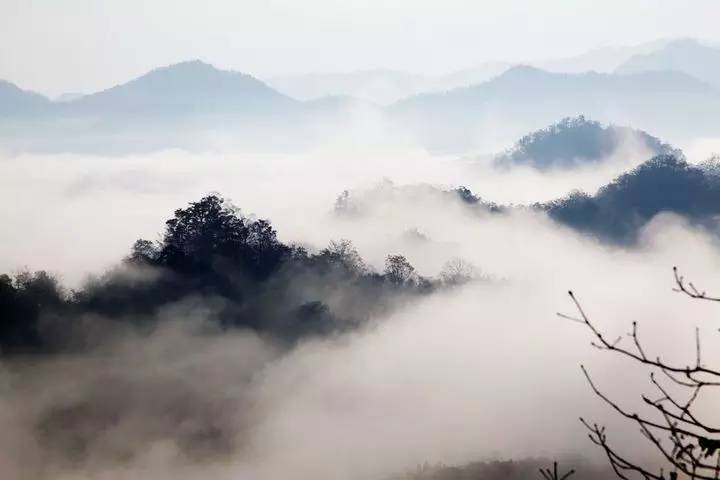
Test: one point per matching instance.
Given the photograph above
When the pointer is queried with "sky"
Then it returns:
(54, 46)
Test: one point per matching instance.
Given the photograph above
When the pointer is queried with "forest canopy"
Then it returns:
(234, 263)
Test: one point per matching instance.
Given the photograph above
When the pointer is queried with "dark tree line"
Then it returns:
(210, 250)
(618, 211)
(615, 214)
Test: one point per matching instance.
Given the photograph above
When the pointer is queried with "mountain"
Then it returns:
(577, 141)
(384, 86)
(188, 87)
(15, 101)
(190, 105)
(528, 81)
(526, 98)
(604, 59)
(621, 208)
(687, 55)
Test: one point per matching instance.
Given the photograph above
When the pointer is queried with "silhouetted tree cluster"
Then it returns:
(615, 214)
(26, 301)
(351, 205)
(665, 183)
(574, 141)
(211, 252)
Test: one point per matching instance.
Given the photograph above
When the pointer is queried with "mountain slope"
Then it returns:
(687, 56)
(576, 141)
(14, 100)
(527, 81)
(621, 208)
(184, 88)
(603, 59)
(526, 98)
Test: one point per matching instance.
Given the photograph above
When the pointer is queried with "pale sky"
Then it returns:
(55, 46)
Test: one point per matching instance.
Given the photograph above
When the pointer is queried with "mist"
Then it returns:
(133, 194)
(483, 371)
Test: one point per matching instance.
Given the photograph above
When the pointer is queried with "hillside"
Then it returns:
(576, 141)
(687, 56)
(526, 98)
(188, 87)
(15, 101)
(619, 209)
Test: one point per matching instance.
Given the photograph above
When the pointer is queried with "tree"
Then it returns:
(343, 253)
(457, 271)
(22, 301)
(688, 444)
(143, 252)
(213, 229)
(399, 271)
(205, 229)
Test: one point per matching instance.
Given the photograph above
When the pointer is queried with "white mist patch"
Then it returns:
(489, 371)
(701, 149)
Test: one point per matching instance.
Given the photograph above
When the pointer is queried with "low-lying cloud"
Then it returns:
(481, 372)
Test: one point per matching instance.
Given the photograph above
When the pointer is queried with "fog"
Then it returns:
(69, 201)
(483, 371)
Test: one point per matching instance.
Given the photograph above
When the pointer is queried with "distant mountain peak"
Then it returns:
(15, 99)
(189, 69)
(685, 55)
(523, 71)
(189, 86)
(682, 43)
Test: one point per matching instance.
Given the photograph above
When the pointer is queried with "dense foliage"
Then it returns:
(618, 210)
(575, 141)
(211, 253)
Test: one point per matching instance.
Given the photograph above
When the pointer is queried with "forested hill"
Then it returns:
(577, 141)
(234, 266)
(618, 210)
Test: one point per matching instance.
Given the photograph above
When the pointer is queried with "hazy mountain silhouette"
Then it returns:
(15, 101)
(384, 86)
(173, 106)
(603, 59)
(577, 141)
(177, 105)
(686, 55)
(527, 98)
(527, 81)
(185, 87)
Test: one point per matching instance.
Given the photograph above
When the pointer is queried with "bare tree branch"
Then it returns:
(689, 445)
